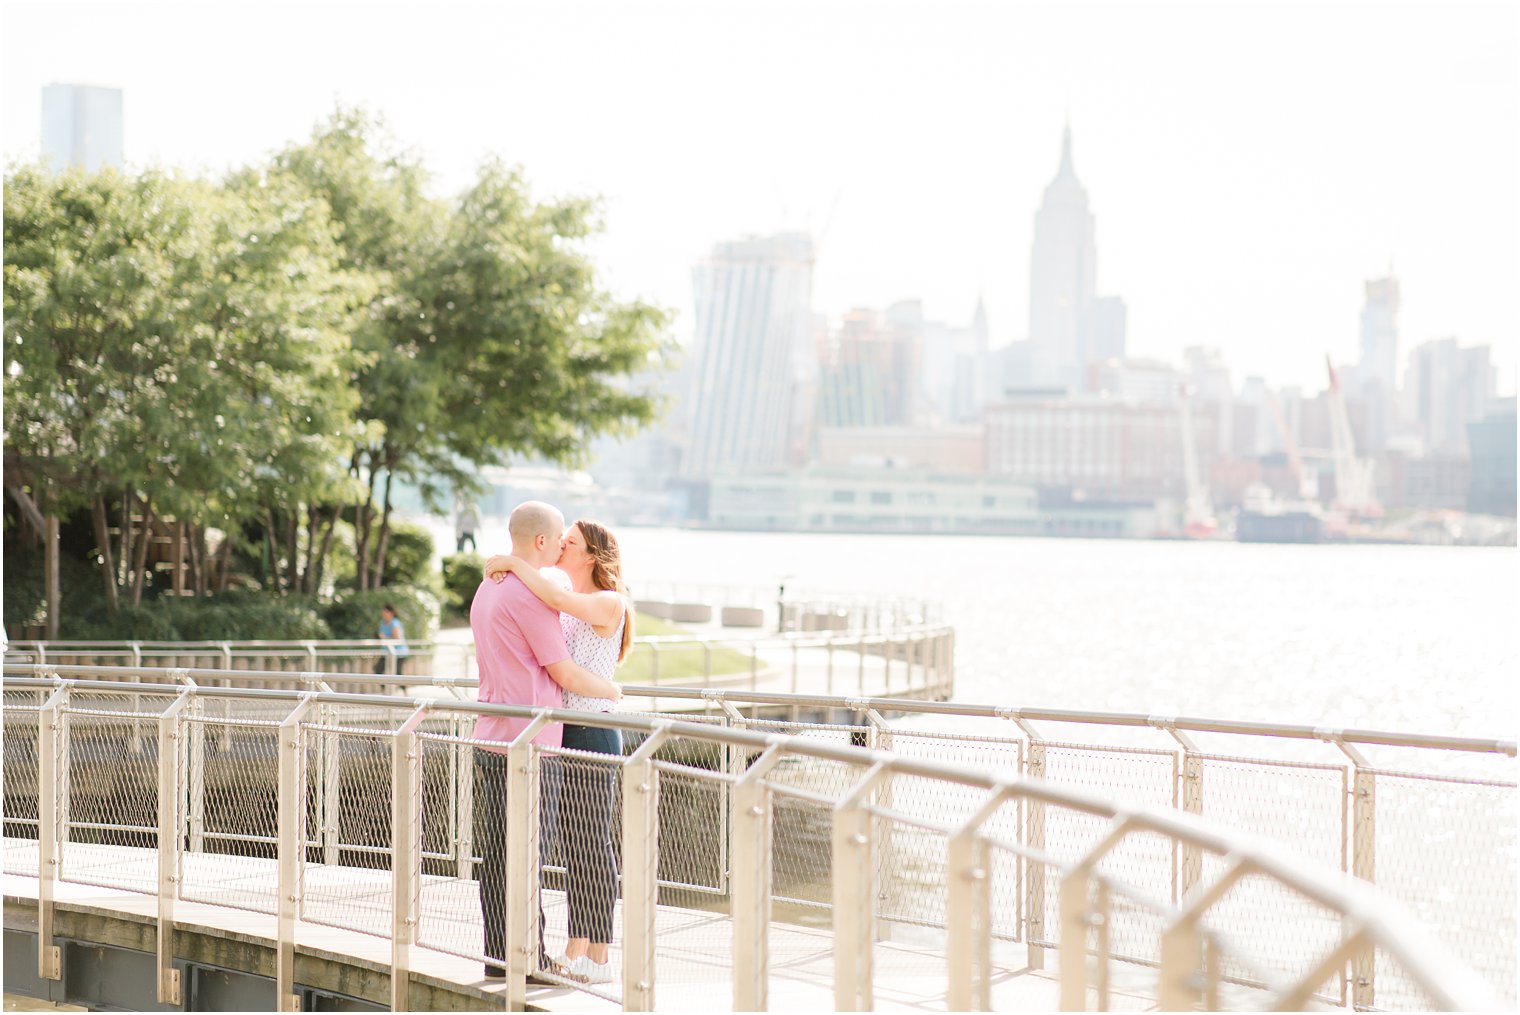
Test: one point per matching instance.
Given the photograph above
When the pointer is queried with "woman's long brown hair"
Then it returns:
(607, 572)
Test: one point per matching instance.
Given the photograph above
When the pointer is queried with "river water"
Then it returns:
(1390, 637)
(1413, 638)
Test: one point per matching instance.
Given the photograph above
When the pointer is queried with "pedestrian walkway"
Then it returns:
(695, 946)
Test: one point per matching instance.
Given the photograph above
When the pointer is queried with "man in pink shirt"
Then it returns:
(520, 650)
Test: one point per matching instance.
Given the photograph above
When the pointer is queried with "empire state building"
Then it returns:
(1062, 281)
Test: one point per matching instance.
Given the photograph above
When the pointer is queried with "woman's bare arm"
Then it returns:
(572, 676)
(599, 609)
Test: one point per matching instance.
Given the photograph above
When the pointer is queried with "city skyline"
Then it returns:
(1240, 207)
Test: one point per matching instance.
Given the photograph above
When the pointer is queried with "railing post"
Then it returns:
(1192, 803)
(908, 653)
(170, 789)
(463, 775)
(522, 869)
(968, 917)
(195, 777)
(794, 667)
(52, 771)
(291, 812)
(1074, 890)
(883, 846)
(1183, 971)
(406, 854)
(854, 897)
(1364, 866)
(750, 896)
(641, 854)
(330, 789)
(1034, 839)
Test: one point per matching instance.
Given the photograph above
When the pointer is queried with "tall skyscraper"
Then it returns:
(1445, 388)
(755, 381)
(1380, 333)
(1069, 327)
(81, 127)
(1375, 373)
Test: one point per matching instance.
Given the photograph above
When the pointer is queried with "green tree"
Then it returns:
(488, 335)
(173, 346)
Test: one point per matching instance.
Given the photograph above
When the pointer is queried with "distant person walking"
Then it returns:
(597, 619)
(391, 630)
(466, 522)
(523, 659)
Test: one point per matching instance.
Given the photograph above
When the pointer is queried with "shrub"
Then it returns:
(408, 556)
(357, 614)
(462, 574)
(231, 616)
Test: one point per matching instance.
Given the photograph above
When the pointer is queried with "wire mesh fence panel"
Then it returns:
(1134, 775)
(186, 658)
(994, 753)
(1122, 945)
(110, 789)
(802, 830)
(449, 913)
(1446, 848)
(801, 860)
(912, 907)
(22, 803)
(1269, 934)
(910, 854)
(693, 822)
(347, 874)
(232, 814)
(1305, 805)
(581, 823)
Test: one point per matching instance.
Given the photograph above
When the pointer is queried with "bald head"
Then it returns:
(536, 528)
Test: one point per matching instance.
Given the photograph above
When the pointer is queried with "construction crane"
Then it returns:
(1354, 491)
(1198, 521)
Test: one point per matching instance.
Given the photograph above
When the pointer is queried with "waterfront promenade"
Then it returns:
(966, 887)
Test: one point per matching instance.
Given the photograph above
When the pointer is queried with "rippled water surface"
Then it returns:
(1421, 638)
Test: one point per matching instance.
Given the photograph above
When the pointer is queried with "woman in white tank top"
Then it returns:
(598, 622)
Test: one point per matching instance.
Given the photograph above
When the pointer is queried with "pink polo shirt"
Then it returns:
(516, 636)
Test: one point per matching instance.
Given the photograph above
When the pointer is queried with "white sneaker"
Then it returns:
(587, 971)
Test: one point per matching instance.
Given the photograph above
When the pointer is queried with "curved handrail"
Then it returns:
(1188, 724)
(1373, 920)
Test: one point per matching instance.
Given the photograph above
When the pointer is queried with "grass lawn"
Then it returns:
(677, 662)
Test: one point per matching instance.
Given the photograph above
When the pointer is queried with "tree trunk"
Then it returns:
(141, 563)
(224, 565)
(364, 521)
(107, 563)
(271, 556)
(29, 510)
(50, 574)
(293, 549)
(385, 531)
(128, 500)
(327, 539)
(311, 548)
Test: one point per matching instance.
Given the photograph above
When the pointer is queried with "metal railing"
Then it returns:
(913, 660)
(759, 827)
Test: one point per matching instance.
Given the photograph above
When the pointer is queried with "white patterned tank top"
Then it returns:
(597, 654)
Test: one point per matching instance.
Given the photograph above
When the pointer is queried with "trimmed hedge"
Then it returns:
(357, 614)
(462, 575)
(234, 615)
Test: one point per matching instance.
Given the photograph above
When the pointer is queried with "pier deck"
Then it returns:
(695, 946)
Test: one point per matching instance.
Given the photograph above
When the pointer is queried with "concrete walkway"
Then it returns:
(693, 970)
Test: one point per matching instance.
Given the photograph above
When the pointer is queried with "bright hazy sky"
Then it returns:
(1249, 164)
